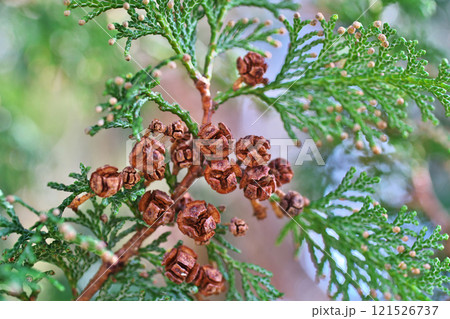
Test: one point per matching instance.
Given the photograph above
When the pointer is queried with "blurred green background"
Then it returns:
(49, 72)
(52, 74)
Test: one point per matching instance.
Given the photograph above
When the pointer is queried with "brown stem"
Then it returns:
(193, 173)
(203, 86)
(258, 209)
(80, 199)
(276, 206)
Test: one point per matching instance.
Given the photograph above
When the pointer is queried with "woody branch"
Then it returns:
(131, 247)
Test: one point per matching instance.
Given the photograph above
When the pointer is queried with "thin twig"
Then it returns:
(128, 250)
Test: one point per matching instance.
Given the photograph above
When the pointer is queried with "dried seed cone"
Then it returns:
(156, 208)
(130, 177)
(220, 137)
(253, 150)
(178, 130)
(238, 227)
(157, 126)
(222, 175)
(156, 173)
(281, 169)
(105, 181)
(210, 281)
(258, 183)
(198, 221)
(252, 68)
(179, 263)
(194, 275)
(182, 154)
(292, 203)
(148, 157)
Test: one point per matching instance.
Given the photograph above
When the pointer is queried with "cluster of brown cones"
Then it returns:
(254, 172)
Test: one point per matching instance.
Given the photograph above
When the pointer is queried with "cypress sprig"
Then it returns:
(128, 94)
(254, 279)
(243, 33)
(355, 247)
(52, 239)
(335, 83)
(79, 186)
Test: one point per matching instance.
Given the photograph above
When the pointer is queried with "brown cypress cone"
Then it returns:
(105, 181)
(292, 203)
(156, 174)
(258, 183)
(178, 130)
(252, 68)
(282, 171)
(198, 221)
(238, 227)
(157, 126)
(130, 177)
(253, 150)
(222, 175)
(195, 275)
(181, 153)
(210, 281)
(220, 137)
(148, 157)
(156, 208)
(179, 263)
